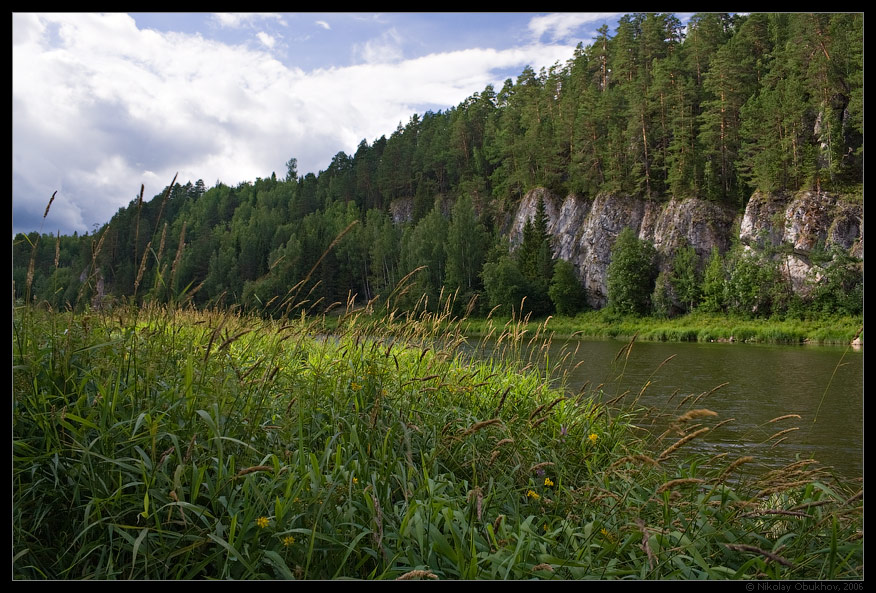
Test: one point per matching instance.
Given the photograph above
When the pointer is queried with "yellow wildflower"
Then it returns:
(533, 494)
(548, 482)
(355, 480)
(355, 386)
(262, 522)
(593, 437)
(288, 540)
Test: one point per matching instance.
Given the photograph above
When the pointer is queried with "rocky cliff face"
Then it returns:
(792, 227)
(584, 230)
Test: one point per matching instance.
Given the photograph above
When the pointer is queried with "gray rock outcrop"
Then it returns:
(778, 226)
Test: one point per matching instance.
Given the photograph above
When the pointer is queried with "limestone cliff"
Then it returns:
(584, 229)
(792, 227)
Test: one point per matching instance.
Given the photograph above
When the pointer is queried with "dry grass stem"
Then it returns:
(480, 425)
(710, 392)
(49, 205)
(478, 495)
(617, 399)
(539, 421)
(630, 458)
(722, 423)
(681, 442)
(233, 338)
(255, 468)
(781, 432)
(858, 495)
(786, 416)
(142, 268)
(679, 482)
(764, 553)
(783, 487)
(541, 465)
(553, 403)
(775, 512)
(536, 411)
(417, 575)
(701, 413)
(734, 465)
(161, 243)
(646, 547)
(179, 252)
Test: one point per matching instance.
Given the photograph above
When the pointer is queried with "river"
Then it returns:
(756, 383)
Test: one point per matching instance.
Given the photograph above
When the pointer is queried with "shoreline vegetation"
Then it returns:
(693, 327)
(169, 443)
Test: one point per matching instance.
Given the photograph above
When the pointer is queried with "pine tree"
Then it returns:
(536, 261)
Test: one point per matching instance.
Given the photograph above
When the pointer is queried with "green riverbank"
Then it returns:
(695, 327)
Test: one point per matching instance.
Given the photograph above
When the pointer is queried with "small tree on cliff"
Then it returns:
(631, 274)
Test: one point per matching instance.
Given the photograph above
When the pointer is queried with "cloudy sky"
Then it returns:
(104, 102)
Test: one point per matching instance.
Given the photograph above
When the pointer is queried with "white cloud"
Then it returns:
(266, 39)
(562, 25)
(100, 107)
(384, 49)
(235, 20)
(324, 25)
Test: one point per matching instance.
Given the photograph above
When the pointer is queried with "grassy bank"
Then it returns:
(168, 444)
(695, 327)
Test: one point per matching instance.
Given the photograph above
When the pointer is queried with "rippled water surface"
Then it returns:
(758, 383)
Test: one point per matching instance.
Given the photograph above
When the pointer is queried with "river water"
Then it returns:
(756, 383)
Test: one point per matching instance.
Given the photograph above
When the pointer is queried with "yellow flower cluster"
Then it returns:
(548, 482)
(533, 495)
(355, 386)
(262, 522)
(593, 437)
(288, 540)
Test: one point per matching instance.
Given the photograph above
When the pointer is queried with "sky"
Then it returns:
(102, 103)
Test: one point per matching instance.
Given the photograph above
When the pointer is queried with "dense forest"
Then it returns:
(726, 106)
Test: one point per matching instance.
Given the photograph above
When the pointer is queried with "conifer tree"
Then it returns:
(631, 274)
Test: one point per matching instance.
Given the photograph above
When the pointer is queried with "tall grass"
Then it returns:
(168, 443)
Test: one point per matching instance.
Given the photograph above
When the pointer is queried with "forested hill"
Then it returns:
(726, 107)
